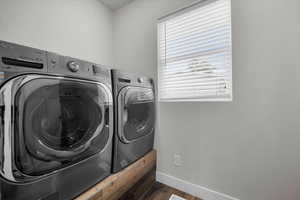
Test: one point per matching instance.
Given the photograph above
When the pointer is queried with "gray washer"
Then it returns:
(56, 119)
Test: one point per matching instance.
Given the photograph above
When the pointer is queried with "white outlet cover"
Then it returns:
(177, 160)
(175, 197)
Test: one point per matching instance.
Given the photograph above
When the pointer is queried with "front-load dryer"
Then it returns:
(56, 124)
(135, 108)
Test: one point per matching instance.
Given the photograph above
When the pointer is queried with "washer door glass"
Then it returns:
(136, 113)
(59, 122)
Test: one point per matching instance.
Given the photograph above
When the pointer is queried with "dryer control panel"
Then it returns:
(132, 79)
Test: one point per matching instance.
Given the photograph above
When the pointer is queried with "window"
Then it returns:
(195, 55)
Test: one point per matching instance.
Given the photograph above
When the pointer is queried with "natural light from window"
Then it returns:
(195, 53)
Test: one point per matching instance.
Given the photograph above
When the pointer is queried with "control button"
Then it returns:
(98, 70)
(53, 61)
(140, 80)
(73, 66)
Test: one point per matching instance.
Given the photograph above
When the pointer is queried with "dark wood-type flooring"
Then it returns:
(148, 189)
(163, 192)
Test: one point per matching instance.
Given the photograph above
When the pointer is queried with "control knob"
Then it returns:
(73, 66)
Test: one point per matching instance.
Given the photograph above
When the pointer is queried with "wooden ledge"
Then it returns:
(116, 185)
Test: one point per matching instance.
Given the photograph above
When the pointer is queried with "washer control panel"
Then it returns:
(69, 66)
(18, 58)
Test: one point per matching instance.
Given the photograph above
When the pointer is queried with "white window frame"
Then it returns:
(176, 13)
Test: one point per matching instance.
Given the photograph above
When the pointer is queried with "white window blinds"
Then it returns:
(195, 56)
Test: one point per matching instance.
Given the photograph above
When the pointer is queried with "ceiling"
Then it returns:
(115, 4)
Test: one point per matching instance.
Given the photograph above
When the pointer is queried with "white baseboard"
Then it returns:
(190, 188)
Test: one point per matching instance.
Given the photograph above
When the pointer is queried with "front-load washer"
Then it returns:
(135, 108)
(56, 124)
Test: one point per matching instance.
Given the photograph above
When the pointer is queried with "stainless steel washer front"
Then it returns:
(56, 119)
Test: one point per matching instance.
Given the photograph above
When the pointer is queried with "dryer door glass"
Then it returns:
(59, 122)
(138, 113)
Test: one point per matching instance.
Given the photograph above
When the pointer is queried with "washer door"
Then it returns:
(136, 113)
(59, 121)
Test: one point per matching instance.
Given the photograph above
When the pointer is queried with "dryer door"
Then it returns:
(136, 113)
(58, 122)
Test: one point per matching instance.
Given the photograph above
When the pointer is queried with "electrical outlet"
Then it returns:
(177, 160)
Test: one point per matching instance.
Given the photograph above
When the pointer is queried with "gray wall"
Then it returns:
(78, 28)
(248, 148)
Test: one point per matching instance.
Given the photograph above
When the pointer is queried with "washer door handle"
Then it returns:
(125, 114)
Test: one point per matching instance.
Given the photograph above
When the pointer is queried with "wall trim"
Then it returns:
(190, 188)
